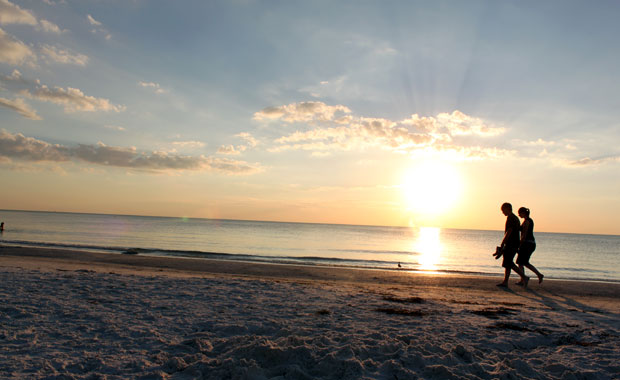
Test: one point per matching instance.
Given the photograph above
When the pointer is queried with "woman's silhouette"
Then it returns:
(527, 245)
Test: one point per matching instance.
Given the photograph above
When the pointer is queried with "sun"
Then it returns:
(431, 188)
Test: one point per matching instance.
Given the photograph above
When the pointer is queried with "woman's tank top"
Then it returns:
(529, 234)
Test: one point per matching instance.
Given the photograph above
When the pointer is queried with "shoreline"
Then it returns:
(53, 258)
(80, 254)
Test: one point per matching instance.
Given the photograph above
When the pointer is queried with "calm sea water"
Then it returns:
(567, 256)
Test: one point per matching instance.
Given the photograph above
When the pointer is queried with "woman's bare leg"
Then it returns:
(533, 269)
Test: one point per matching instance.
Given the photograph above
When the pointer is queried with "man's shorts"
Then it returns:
(509, 255)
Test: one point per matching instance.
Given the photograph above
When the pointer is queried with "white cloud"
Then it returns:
(92, 21)
(457, 123)
(326, 88)
(474, 153)
(228, 149)
(334, 128)
(302, 112)
(189, 144)
(535, 143)
(19, 105)
(98, 27)
(13, 14)
(115, 128)
(72, 99)
(250, 142)
(247, 137)
(13, 51)
(24, 148)
(49, 27)
(155, 86)
(63, 56)
(15, 76)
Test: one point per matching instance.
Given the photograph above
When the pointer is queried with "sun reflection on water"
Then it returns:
(428, 245)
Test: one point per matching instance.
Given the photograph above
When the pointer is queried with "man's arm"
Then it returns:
(508, 232)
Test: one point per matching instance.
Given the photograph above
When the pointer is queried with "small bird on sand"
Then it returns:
(399, 265)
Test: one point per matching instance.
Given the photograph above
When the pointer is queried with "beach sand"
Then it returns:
(83, 315)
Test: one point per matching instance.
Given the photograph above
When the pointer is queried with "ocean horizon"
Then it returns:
(422, 249)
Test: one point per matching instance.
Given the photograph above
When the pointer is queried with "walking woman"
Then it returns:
(527, 245)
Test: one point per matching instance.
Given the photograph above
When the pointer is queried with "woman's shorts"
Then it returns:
(525, 252)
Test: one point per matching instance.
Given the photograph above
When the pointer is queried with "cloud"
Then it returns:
(63, 56)
(19, 105)
(327, 88)
(371, 45)
(92, 21)
(361, 133)
(25, 148)
(301, 112)
(30, 149)
(474, 153)
(457, 123)
(49, 27)
(250, 142)
(588, 162)
(72, 99)
(15, 76)
(13, 14)
(13, 51)
(536, 143)
(154, 86)
(98, 27)
(334, 128)
(453, 124)
(115, 128)
(231, 149)
(189, 144)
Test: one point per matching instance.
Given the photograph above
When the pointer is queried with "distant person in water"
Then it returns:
(510, 245)
(1, 226)
(527, 244)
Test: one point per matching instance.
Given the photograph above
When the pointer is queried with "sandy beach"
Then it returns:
(85, 315)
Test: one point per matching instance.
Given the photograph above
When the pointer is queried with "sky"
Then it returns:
(400, 113)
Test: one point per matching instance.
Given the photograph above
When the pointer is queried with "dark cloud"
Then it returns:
(13, 51)
(24, 148)
(587, 161)
(72, 99)
(30, 149)
(18, 105)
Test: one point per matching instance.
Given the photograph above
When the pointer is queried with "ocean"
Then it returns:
(439, 250)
